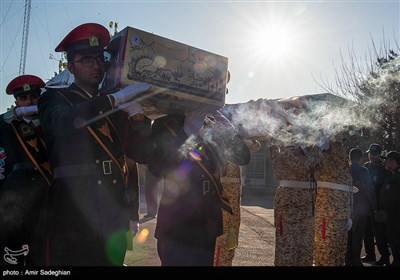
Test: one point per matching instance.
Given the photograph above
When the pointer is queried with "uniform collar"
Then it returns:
(35, 122)
(74, 85)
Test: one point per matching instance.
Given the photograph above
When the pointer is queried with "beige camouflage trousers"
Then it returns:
(332, 211)
(228, 241)
(294, 226)
(333, 207)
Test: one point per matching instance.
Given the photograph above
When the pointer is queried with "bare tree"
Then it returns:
(373, 83)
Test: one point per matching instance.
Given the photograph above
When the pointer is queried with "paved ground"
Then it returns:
(256, 237)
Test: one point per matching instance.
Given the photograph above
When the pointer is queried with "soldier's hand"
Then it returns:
(132, 108)
(349, 224)
(26, 110)
(194, 121)
(14, 113)
(128, 93)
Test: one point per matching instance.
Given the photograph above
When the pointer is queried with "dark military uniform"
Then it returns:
(151, 193)
(133, 193)
(389, 203)
(24, 187)
(88, 209)
(189, 216)
(364, 204)
(27, 173)
(375, 226)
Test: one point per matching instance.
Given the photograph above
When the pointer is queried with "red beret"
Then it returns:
(24, 83)
(88, 36)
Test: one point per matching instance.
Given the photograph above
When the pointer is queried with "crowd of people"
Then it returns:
(326, 199)
(69, 188)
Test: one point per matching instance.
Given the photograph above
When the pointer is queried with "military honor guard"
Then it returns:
(26, 174)
(88, 210)
(333, 207)
(294, 203)
(190, 213)
(231, 181)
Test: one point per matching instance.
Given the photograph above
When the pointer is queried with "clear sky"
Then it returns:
(275, 49)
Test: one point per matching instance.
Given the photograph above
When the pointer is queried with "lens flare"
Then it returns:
(196, 153)
(115, 245)
(142, 236)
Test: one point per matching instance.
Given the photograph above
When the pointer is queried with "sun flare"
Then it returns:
(273, 42)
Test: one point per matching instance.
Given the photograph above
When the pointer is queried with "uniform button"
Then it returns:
(115, 181)
(99, 182)
(33, 179)
(97, 161)
(100, 112)
(202, 175)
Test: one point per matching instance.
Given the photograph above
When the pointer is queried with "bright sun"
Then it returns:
(274, 43)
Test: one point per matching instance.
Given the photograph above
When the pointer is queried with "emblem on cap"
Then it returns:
(26, 87)
(93, 41)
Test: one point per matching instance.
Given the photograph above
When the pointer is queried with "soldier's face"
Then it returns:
(390, 164)
(27, 99)
(88, 73)
(373, 157)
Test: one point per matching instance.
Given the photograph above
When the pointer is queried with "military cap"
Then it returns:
(24, 84)
(375, 149)
(85, 37)
(355, 154)
(393, 155)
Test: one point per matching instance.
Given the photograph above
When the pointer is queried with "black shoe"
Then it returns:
(382, 262)
(367, 258)
(149, 216)
(357, 264)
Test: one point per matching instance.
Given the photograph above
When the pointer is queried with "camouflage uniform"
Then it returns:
(333, 207)
(232, 186)
(294, 205)
(226, 243)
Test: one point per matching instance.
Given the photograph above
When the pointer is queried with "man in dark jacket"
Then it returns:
(375, 229)
(390, 201)
(88, 210)
(27, 173)
(364, 204)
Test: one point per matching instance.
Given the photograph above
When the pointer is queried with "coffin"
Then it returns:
(183, 77)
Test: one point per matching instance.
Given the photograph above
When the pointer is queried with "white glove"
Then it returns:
(129, 92)
(221, 119)
(132, 108)
(349, 223)
(322, 142)
(194, 121)
(253, 145)
(1, 173)
(134, 226)
(26, 111)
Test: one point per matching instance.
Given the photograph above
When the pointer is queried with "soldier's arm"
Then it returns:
(55, 111)
(365, 179)
(139, 143)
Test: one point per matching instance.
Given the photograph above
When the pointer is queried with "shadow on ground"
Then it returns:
(257, 197)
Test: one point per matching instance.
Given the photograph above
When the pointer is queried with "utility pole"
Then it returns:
(113, 25)
(25, 32)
